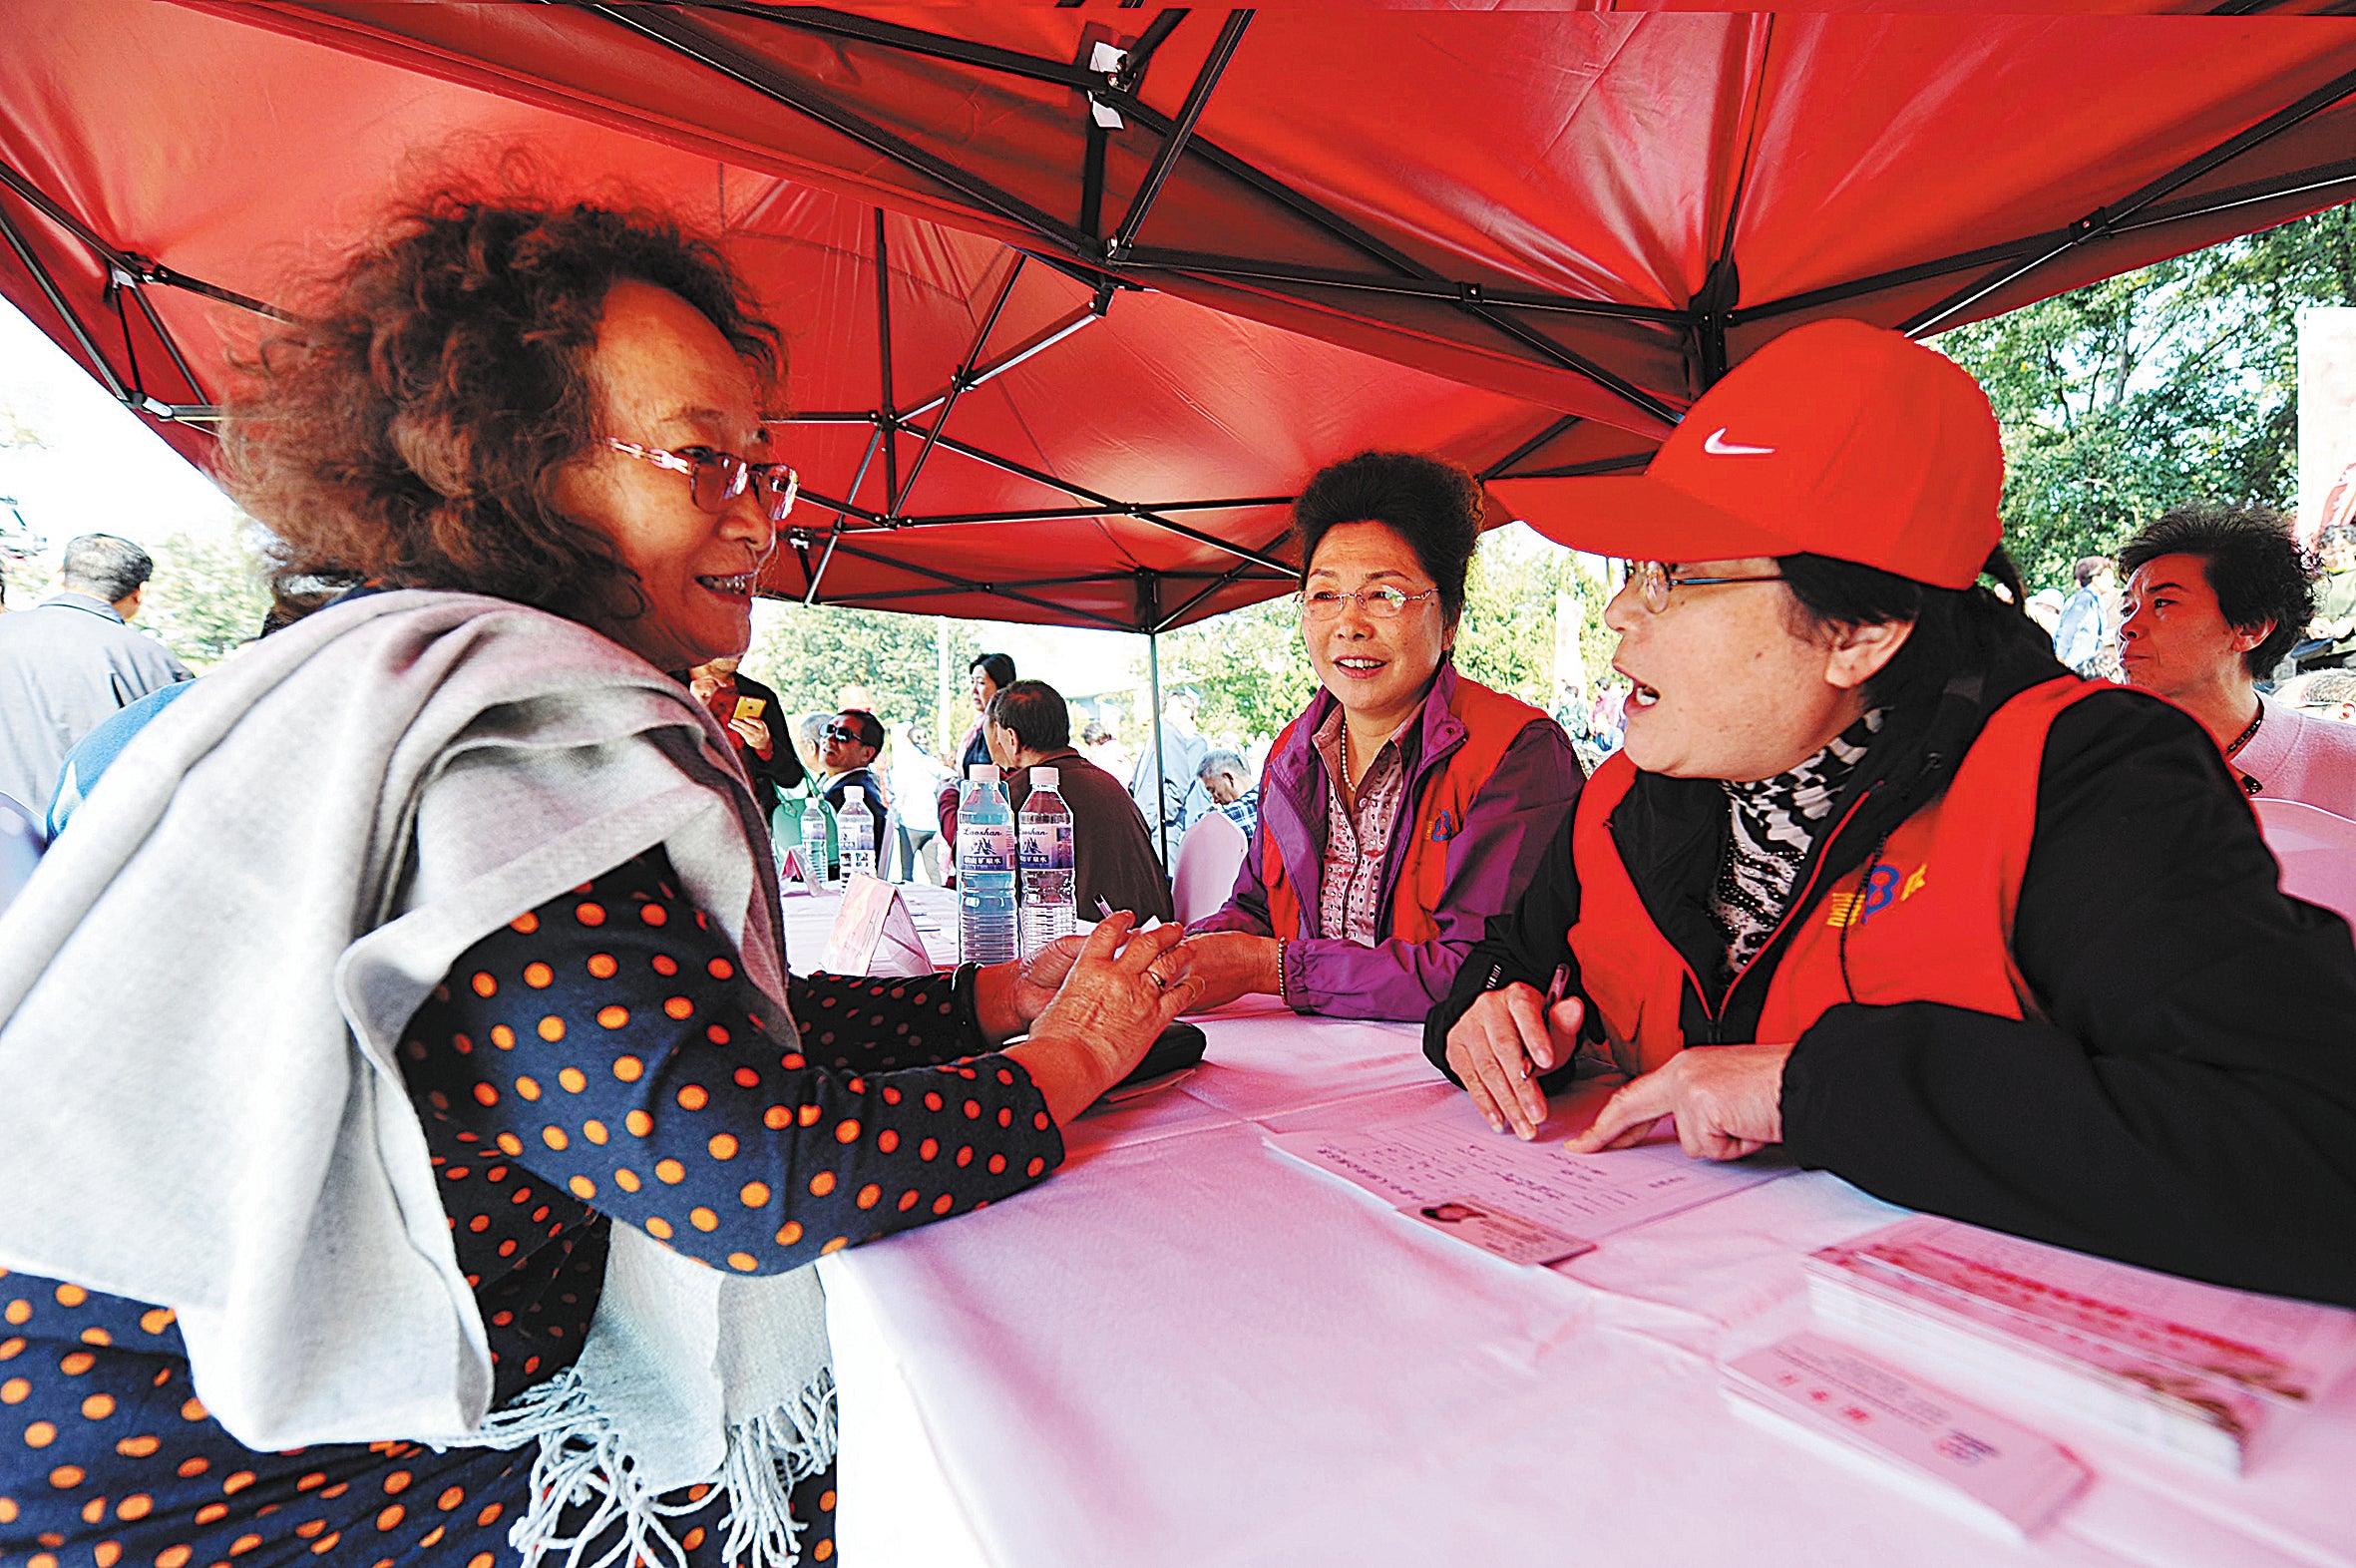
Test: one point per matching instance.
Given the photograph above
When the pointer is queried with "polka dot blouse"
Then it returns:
(602, 1058)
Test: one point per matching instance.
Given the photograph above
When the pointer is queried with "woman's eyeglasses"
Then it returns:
(717, 477)
(1652, 582)
(1382, 603)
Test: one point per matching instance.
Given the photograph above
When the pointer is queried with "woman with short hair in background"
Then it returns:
(1408, 802)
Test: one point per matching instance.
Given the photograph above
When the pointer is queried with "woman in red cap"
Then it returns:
(1975, 934)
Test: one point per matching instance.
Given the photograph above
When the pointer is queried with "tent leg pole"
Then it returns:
(1161, 782)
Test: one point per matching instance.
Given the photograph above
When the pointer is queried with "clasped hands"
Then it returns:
(1092, 1006)
(1726, 1100)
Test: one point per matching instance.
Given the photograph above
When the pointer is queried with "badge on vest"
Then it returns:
(1882, 889)
(1443, 826)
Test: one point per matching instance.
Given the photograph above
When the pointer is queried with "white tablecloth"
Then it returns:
(809, 917)
(1185, 1348)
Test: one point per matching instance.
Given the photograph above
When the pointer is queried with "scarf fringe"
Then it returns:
(581, 1463)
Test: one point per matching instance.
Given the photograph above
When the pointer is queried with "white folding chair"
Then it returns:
(1208, 859)
(2317, 852)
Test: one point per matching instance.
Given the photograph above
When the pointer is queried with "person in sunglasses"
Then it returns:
(847, 747)
(1874, 877)
(1407, 804)
(399, 1048)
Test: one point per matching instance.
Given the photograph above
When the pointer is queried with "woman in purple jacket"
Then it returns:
(1407, 804)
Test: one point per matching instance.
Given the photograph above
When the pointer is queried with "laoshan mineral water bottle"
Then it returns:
(857, 827)
(1046, 863)
(986, 872)
(813, 846)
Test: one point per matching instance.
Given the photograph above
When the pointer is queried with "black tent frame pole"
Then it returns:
(1111, 506)
(1470, 298)
(2101, 221)
(956, 386)
(984, 588)
(1149, 609)
(58, 302)
(1075, 514)
(142, 269)
(1204, 263)
(1039, 343)
(833, 534)
(683, 38)
(1610, 465)
(887, 414)
(2228, 203)
(1165, 160)
(1240, 572)
(1497, 469)
(888, 597)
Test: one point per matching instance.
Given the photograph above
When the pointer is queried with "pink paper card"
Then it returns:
(1947, 1450)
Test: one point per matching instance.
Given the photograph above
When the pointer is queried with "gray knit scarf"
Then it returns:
(202, 988)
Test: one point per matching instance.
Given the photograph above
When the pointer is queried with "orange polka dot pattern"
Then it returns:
(619, 1065)
(109, 1460)
(670, 1107)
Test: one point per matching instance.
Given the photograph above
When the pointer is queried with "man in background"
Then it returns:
(1029, 726)
(1233, 793)
(1161, 799)
(72, 661)
(748, 712)
(2327, 694)
(847, 748)
(2089, 629)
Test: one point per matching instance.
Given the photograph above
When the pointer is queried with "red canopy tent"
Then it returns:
(1146, 272)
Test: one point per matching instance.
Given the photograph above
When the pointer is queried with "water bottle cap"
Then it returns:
(1044, 778)
(981, 773)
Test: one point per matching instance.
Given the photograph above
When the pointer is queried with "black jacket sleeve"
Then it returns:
(2188, 1102)
(1523, 944)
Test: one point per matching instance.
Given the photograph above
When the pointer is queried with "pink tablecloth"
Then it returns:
(1185, 1348)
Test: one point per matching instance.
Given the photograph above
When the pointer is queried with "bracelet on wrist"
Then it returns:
(1284, 980)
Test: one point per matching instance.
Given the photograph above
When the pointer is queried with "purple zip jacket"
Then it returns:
(1490, 860)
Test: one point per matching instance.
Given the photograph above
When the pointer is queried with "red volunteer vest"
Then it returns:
(1491, 720)
(1930, 919)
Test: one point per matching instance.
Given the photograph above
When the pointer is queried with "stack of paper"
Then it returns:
(2197, 1370)
(1968, 1461)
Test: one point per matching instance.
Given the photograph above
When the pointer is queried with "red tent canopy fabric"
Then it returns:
(1249, 243)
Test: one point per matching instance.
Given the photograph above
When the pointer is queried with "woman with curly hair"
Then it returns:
(416, 1150)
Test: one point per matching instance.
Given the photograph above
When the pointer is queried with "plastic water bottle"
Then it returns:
(1046, 863)
(857, 827)
(986, 872)
(814, 844)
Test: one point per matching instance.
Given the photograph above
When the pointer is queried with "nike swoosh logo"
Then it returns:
(1718, 445)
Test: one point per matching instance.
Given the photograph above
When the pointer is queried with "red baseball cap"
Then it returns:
(1836, 439)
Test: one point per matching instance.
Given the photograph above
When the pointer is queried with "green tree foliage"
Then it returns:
(208, 594)
(2122, 398)
(809, 653)
(1247, 664)
(1507, 636)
